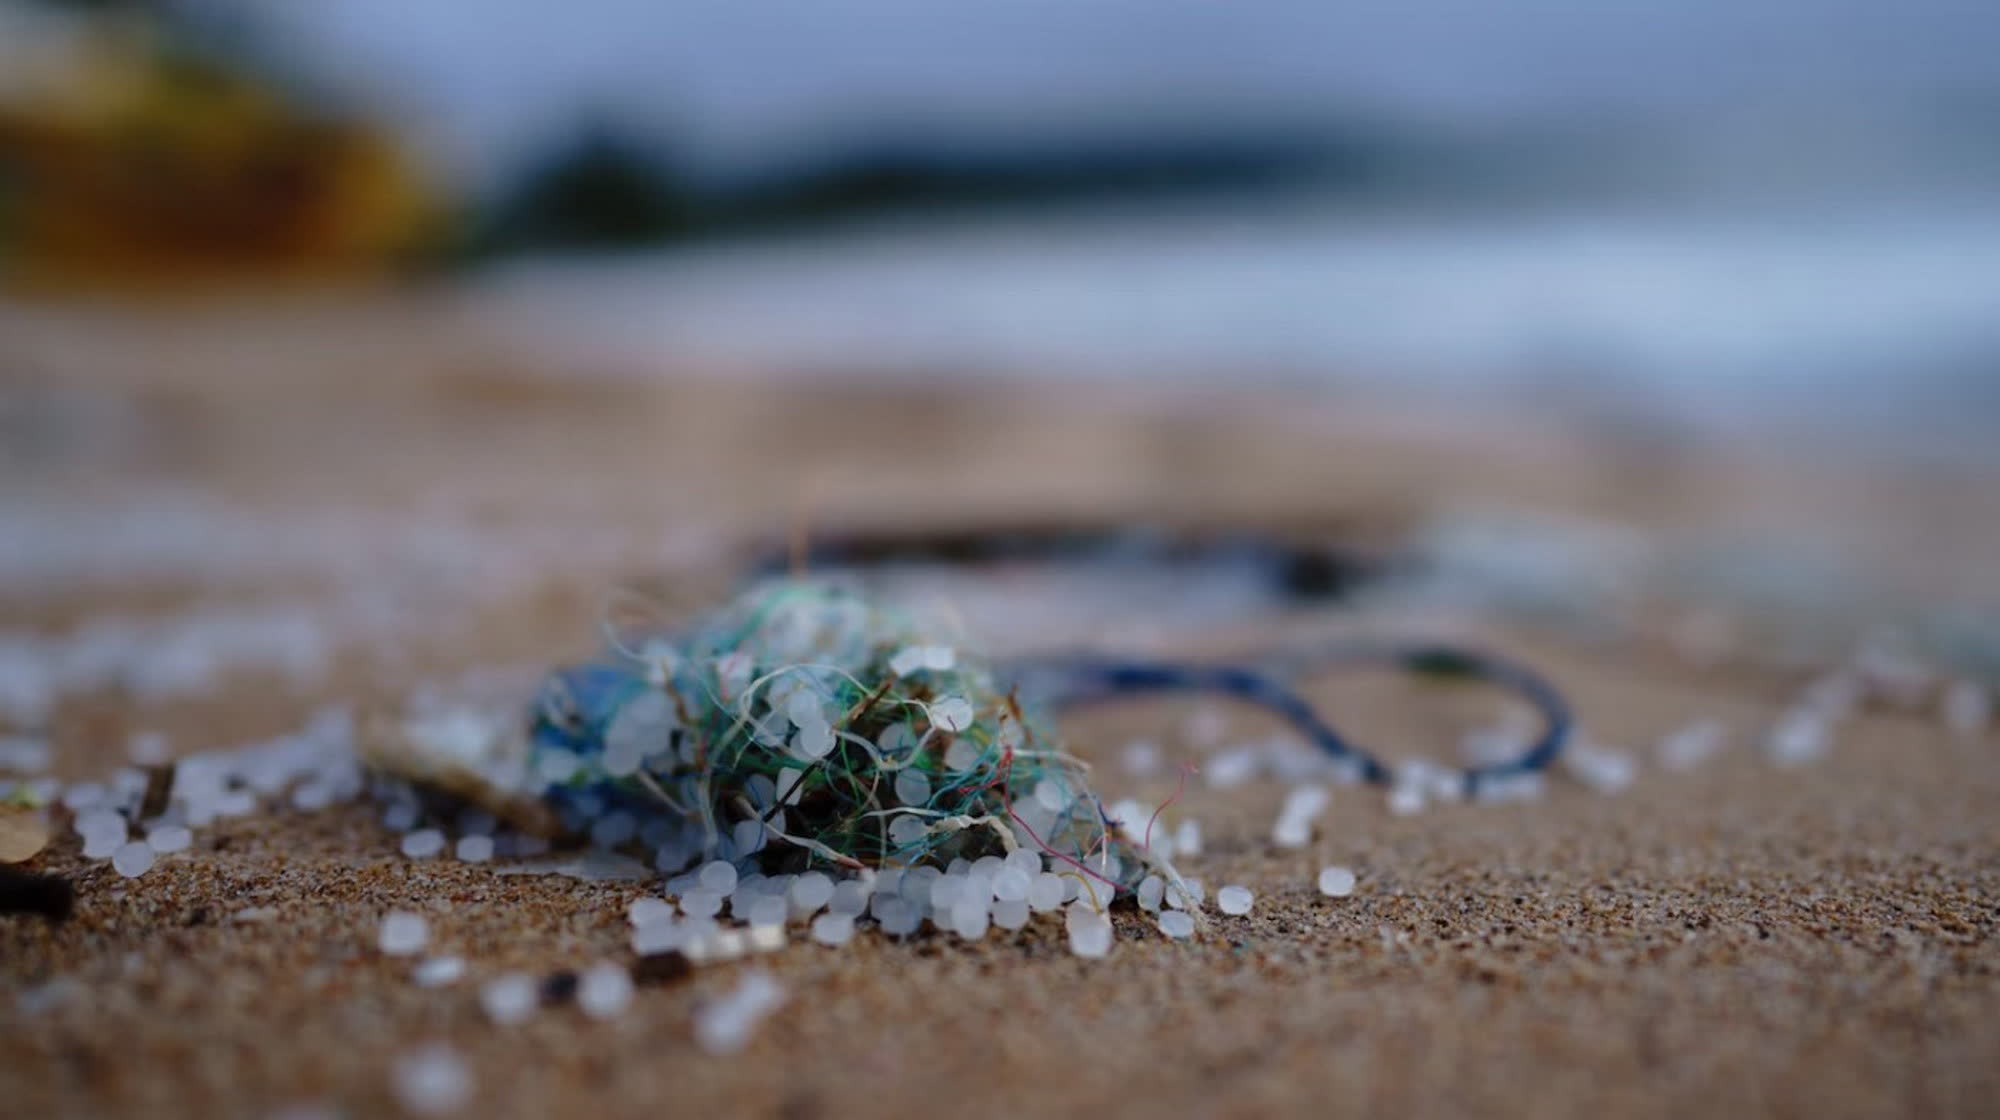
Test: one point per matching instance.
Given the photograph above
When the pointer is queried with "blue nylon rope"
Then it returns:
(1084, 679)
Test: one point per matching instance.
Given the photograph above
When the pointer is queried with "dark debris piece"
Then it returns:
(32, 892)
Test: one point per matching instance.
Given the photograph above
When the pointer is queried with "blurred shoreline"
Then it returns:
(1879, 324)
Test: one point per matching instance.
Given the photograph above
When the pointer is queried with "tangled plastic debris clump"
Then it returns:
(801, 727)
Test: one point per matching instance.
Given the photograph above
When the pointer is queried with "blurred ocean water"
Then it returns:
(1884, 319)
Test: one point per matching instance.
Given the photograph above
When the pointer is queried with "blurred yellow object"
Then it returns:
(131, 166)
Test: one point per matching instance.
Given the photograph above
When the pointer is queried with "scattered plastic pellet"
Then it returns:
(1152, 890)
(725, 1025)
(1177, 924)
(1335, 882)
(1191, 899)
(833, 929)
(1406, 801)
(1303, 805)
(1800, 736)
(1688, 747)
(1046, 892)
(133, 860)
(1187, 838)
(604, 990)
(510, 998)
(1602, 769)
(1234, 900)
(718, 876)
(969, 919)
(148, 748)
(1231, 768)
(767, 910)
(402, 933)
(103, 833)
(423, 843)
(475, 849)
(850, 897)
(437, 972)
(658, 937)
(433, 1080)
(1141, 758)
(1090, 933)
(1205, 727)
(701, 904)
(1011, 914)
(169, 838)
(809, 892)
(648, 909)
(1966, 707)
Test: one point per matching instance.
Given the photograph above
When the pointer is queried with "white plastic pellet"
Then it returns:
(1177, 924)
(1231, 768)
(1010, 914)
(1187, 838)
(1046, 892)
(401, 816)
(107, 821)
(169, 838)
(1025, 860)
(1141, 758)
(604, 990)
(133, 860)
(969, 919)
(103, 843)
(725, 1026)
(649, 908)
(1688, 747)
(850, 897)
(236, 803)
(1152, 889)
(148, 748)
(767, 910)
(1291, 832)
(962, 755)
(1234, 900)
(1090, 932)
(833, 929)
(475, 849)
(1798, 737)
(765, 938)
(402, 933)
(718, 876)
(510, 998)
(912, 788)
(437, 972)
(953, 713)
(1603, 769)
(433, 1081)
(1205, 727)
(423, 843)
(1011, 885)
(658, 937)
(1192, 899)
(809, 893)
(701, 903)
(1405, 801)
(1336, 882)
(1967, 708)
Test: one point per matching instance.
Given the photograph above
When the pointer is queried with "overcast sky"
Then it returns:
(748, 85)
